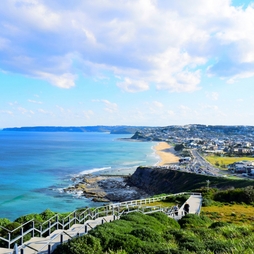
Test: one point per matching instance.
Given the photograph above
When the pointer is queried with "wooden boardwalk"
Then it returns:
(42, 243)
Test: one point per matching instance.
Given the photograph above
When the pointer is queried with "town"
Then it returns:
(206, 149)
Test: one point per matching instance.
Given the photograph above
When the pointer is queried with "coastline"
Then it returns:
(167, 154)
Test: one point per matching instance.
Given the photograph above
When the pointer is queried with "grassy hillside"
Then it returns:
(157, 234)
(157, 181)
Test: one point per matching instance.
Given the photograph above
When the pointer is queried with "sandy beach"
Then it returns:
(166, 152)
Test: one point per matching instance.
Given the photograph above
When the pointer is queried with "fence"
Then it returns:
(34, 228)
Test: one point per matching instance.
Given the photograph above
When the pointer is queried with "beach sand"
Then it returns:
(166, 152)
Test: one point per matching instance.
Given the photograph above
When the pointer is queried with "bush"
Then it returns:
(126, 242)
(165, 220)
(219, 224)
(177, 199)
(191, 221)
(207, 202)
(47, 214)
(28, 217)
(4, 222)
(11, 226)
(219, 246)
(147, 234)
(80, 245)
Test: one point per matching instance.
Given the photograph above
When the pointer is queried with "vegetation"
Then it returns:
(156, 233)
(179, 147)
(220, 161)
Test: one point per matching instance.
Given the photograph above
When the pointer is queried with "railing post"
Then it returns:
(102, 221)
(63, 224)
(22, 251)
(75, 218)
(61, 238)
(40, 230)
(106, 211)
(57, 221)
(9, 239)
(49, 249)
(118, 211)
(85, 229)
(49, 226)
(33, 228)
(84, 221)
(21, 233)
(69, 224)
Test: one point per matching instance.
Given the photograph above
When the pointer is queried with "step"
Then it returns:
(5, 251)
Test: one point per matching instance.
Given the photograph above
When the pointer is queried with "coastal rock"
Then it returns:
(106, 188)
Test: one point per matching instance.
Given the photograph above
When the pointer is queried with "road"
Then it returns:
(203, 163)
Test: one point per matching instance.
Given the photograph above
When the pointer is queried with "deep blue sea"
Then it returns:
(35, 166)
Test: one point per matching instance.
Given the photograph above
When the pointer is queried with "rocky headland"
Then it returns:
(104, 188)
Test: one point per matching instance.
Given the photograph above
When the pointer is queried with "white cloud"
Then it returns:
(149, 42)
(45, 112)
(63, 81)
(133, 86)
(157, 104)
(6, 112)
(61, 109)
(212, 95)
(239, 100)
(22, 110)
(184, 107)
(110, 107)
(88, 113)
(38, 102)
(171, 113)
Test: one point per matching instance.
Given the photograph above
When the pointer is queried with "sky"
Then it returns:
(126, 62)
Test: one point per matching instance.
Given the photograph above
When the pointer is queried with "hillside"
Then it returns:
(158, 180)
(99, 128)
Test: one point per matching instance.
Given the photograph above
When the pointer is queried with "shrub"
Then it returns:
(126, 242)
(80, 245)
(4, 222)
(219, 224)
(191, 220)
(219, 246)
(177, 199)
(28, 217)
(47, 214)
(165, 220)
(11, 226)
(147, 234)
(207, 202)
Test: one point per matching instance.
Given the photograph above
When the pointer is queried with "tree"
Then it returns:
(179, 147)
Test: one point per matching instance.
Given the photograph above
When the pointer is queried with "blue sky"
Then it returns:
(142, 62)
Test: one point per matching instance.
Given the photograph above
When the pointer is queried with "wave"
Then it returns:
(85, 172)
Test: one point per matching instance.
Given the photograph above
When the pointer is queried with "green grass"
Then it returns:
(227, 160)
(158, 234)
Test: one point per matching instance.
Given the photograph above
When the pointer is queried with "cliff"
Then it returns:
(157, 181)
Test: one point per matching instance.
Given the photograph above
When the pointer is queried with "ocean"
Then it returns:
(36, 166)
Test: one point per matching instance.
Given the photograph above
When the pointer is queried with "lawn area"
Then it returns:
(238, 214)
(163, 203)
(227, 160)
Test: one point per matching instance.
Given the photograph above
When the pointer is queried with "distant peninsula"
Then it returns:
(119, 129)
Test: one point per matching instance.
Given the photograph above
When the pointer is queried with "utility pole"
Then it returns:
(207, 185)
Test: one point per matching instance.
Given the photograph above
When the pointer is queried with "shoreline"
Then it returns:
(166, 153)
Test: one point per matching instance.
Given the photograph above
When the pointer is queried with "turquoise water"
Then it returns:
(34, 167)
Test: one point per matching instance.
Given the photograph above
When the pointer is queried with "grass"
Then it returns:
(227, 160)
(231, 213)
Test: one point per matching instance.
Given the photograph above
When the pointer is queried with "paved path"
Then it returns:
(195, 202)
(38, 242)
